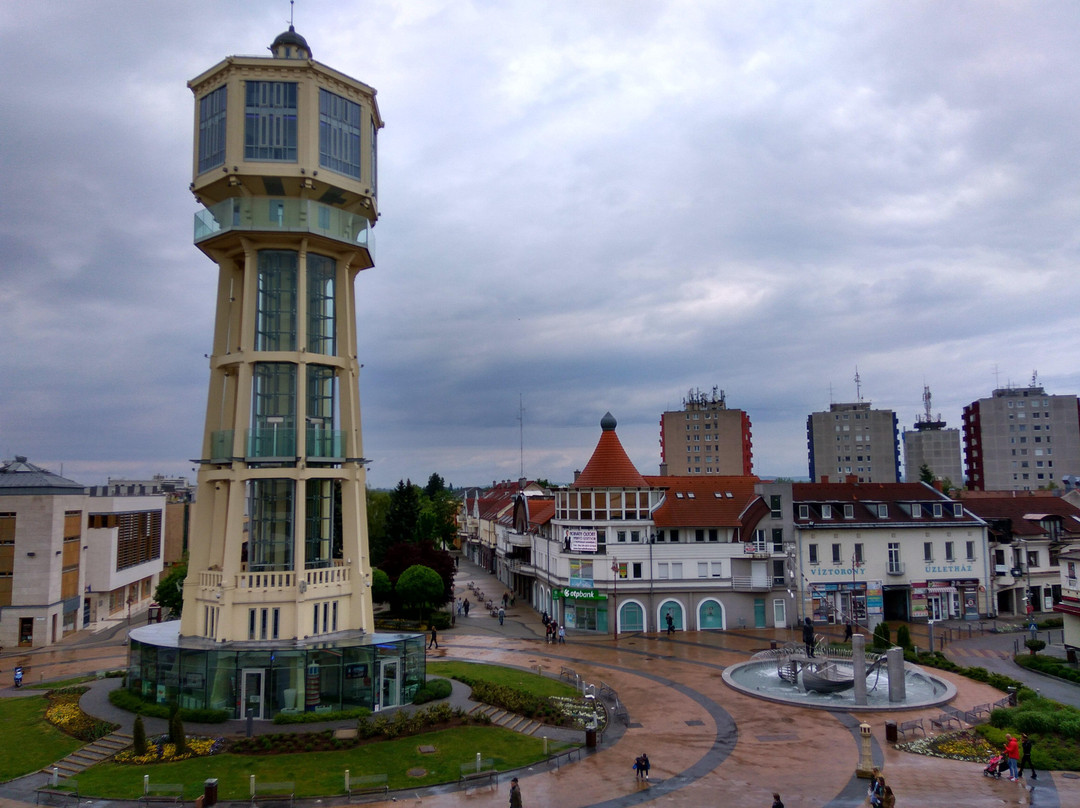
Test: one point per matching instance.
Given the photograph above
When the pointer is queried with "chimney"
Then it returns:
(851, 479)
(939, 486)
(577, 473)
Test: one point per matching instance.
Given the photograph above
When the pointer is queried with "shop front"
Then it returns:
(945, 599)
(582, 609)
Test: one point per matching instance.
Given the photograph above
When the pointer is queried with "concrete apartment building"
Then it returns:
(1021, 439)
(705, 437)
(930, 444)
(853, 439)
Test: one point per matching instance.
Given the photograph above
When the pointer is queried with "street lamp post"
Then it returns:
(615, 596)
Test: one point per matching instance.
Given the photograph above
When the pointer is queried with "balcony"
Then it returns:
(1001, 569)
(272, 442)
(325, 444)
(288, 215)
(221, 446)
(518, 540)
(895, 568)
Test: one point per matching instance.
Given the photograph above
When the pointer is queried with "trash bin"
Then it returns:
(590, 738)
(210, 792)
(772, 644)
(890, 731)
(1012, 696)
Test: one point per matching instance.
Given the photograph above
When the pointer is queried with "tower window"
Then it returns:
(212, 129)
(275, 313)
(270, 121)
(339, 134)
(320, 293)
(271, 525)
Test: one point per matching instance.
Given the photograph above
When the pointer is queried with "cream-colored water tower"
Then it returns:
(285, 170)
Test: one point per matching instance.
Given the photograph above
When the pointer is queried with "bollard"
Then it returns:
(250, 723)
(347, 781)
(55, 779)
(545, 746)
(252, 784)
(210, 789)
(146, 784)
(478, 761)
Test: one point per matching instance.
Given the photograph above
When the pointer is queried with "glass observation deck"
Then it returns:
(269, 214)
(279, 442)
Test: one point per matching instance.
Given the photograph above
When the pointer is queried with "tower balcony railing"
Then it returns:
(221, 445)
(273, 214)
(325, 444)
(273, 441)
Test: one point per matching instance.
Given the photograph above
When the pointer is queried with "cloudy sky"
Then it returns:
(586, 206)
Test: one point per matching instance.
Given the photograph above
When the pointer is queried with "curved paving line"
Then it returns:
(727, 734)
(853, 794)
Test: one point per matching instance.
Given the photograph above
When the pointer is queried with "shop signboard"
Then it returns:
(566, 593)
(582, 540)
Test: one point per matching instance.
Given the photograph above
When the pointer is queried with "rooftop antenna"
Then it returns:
(997, 377)
(926, 401)
(858, 386)
(292, 6)
(831, 398)
(1034, 378)
(521, 434)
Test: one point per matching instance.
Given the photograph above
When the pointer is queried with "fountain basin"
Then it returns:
(759, 678)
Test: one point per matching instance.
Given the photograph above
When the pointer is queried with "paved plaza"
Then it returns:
(708, 744)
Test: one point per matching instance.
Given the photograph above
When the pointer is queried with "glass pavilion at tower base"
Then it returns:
(263, 678)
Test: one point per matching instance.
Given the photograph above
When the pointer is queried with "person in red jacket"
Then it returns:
(1012, 752)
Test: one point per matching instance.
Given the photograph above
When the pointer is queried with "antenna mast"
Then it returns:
(521, 434)
(858, 386)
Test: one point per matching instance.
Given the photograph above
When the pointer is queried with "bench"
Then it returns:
(569, 674)
(944, 722)
(366, 785)
(486, 771)
(554, 761)
(47, 791)
(262, 793)
(977, 714)
(911, 726)
(163, 792)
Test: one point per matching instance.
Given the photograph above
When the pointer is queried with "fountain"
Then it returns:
(834, 680)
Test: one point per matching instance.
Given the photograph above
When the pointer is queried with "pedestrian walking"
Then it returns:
(515, 794)
(502, 615)
(545, 619)
(1025, 761)
(18, 676)
(670, 624)
(776, 802)
(1012, 752)
(848, 633)
(877, 791)
(466, 607)
(562, 635)
(639, 769)
(888, 799)
(645, 764)
(434, 638)
(808, 636)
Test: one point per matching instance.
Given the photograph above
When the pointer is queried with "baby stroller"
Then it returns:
(998, 763)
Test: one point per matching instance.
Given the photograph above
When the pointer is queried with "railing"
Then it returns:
(221, 446)
(282, 214)
(271, 441)
(1072, 583)
(265, 580)
(325, 443)
(327, 575)
(895, 568)
(209, 579)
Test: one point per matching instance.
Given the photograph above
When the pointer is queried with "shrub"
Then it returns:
(126, 700)
(138, 737)
(881, 637)
(1035, 646)
(441, 620)
(313, 717)
(903, 637)
(176, 733)
(432, 690)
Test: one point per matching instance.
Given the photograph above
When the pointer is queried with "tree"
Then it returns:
(903, 636)
(378, 506)
(926, 475)
(435, 486)
(420, 586)
(138, 736)
(406, 554)
(403, 513)
(381, 588)
(169, 593)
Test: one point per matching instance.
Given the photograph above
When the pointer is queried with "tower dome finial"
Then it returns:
(608, 422)
(290, 45)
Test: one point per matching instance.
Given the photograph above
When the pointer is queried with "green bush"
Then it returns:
(1035, 646)
(126, 700)
(903, 637)
(138, 737)
(441, 620)
(313, 717)
(1048, 665)
(881, 637)
(432, 690)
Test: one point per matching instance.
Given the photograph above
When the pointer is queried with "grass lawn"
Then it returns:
(323, 773)
(28, 742)
(511, 677)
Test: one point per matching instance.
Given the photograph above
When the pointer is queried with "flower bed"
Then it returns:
(580, 713)
(64, 713)
(960, 745)
(159, 750)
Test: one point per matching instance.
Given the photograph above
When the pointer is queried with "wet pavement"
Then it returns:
(708, 744)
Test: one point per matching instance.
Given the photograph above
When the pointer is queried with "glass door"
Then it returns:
(933, 607)
(389, 686)
(251, 695)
